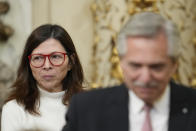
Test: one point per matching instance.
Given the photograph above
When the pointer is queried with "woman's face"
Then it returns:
(49, 77)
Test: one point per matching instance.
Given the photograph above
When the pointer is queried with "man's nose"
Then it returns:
(145, 75)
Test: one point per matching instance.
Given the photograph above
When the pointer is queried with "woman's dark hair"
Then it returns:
(25, 90)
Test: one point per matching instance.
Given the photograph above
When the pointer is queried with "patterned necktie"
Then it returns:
(147, 126)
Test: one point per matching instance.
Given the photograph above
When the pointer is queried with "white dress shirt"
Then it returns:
(159, 113)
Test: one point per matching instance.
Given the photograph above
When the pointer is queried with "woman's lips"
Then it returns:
(48, 77)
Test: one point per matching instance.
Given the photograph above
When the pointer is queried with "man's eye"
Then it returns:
(134, 65)
(158, 67)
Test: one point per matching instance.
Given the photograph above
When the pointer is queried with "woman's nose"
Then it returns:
(47, 63)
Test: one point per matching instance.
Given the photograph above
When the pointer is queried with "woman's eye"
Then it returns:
(37, 58)
(55, 56)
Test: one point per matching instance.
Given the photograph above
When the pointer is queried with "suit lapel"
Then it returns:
(118, 109)
(179, 109)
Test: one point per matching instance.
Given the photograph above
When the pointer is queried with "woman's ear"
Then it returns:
(71, 62)
(69, 66)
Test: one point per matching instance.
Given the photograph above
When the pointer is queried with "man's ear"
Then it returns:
(121, 61)
(175, 67)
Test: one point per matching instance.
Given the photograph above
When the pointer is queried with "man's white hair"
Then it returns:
(149, 24)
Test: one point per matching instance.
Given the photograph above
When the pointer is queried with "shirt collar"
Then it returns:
(163, 103)
(45, 93)
(160, 106)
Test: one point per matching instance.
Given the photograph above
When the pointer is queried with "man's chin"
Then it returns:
(146, 96)
(148, 100)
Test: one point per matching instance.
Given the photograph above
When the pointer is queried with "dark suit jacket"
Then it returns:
(107, 110)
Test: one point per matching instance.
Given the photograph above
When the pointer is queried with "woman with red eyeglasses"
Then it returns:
(48, 75)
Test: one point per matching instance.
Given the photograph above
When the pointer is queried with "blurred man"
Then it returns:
(149, 100)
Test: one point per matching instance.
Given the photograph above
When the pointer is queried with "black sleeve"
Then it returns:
(71, 123)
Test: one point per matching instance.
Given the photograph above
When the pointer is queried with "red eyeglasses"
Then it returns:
(55, 58)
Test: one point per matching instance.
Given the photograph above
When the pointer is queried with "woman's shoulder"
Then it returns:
(13, 116)
(12, 105)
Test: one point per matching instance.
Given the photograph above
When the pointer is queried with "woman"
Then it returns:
(49, 74)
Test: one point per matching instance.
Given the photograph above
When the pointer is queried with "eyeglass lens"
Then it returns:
(55, 59)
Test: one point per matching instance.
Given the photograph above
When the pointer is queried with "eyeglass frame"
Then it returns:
(47, 55)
